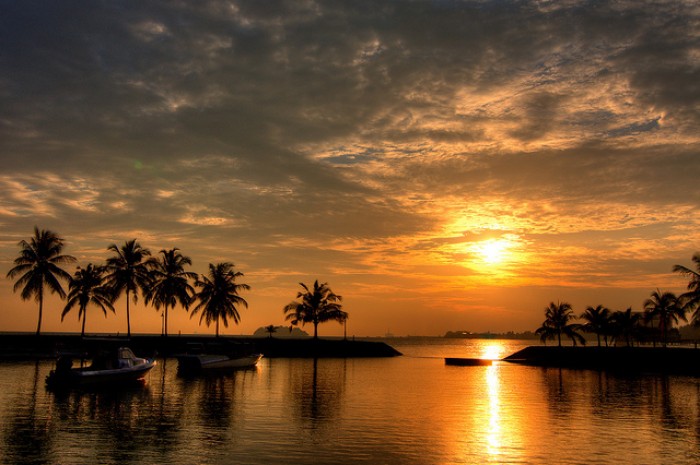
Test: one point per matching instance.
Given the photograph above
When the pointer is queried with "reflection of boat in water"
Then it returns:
(195, 363)
(198, 359)
(122, 367)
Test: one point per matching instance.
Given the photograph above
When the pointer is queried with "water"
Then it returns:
(405, 410)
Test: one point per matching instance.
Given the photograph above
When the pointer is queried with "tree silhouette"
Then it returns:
(270, 330)
(625, 324)
(691, 299)
(557, 322)
(218, 296)
(597, 321)
(38, 266)
(665, 307)
(170, 283)
(128, 272)
(317, 305)
(87, 286)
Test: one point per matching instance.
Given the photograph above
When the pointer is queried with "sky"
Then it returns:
(442, 165)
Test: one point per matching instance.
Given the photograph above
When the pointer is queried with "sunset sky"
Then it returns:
(443, 165)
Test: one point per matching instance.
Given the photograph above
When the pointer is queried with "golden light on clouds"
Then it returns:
(475, 176)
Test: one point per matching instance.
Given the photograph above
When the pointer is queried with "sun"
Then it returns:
(493, 251)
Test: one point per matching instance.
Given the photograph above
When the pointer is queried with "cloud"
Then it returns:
(374, 134)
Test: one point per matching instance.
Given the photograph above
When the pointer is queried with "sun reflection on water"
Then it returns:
(493, 351)
(494, 435)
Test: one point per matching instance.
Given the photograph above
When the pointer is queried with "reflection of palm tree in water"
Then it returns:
(28, 438)
(321, 388)
(130, 415)
(670, 419)
(558, 395)
(216, 401)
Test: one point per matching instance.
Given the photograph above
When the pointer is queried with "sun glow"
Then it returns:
(493, 251)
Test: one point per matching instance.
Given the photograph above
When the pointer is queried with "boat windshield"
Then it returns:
(126, 353)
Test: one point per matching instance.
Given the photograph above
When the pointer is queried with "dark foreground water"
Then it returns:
(405, 410)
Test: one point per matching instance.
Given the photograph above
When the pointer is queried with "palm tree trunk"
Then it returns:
(663, 333)
(217, 327)
(82, 333)
(41, 310)
(165, 321)
(128, 319)
(559, 337)
(598, 334)
(315, 329)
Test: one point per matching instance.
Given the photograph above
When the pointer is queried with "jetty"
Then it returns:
(15, 346)
(664, 360)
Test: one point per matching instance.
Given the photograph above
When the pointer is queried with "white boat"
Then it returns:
(122, 367)
(193, 363)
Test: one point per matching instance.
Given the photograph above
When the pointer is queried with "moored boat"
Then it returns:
(468, 362)
(119, 368)
(195, 363)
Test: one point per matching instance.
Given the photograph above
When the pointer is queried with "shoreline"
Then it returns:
(46, 346)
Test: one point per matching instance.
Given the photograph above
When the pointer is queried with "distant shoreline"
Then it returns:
(527, 335)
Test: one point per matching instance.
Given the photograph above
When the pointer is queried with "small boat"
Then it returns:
(468, 362)
(122, 367)
(196, 363)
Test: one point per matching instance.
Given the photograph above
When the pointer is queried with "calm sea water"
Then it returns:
(406, 410)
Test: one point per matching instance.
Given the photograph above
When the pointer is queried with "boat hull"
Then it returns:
(205, 363)
(467, 362)
(76, 377)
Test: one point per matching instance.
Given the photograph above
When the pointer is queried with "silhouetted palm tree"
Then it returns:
(547, 333)
(557, 322)
(128, 271)
(218, 296)
(317, 305)
(667, 308)
(625, 324)
(271, 329)
(38, 266)
(170, 282)
(691, 299)
(87, 286)
(597, 321)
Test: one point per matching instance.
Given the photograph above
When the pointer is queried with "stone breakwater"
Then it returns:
(29, 346)
(671, 360)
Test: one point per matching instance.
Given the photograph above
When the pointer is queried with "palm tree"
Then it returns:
(625, 324)
(597, 321)
(38, 266)
(665, 307)
(691, 299)
(87, 286)
(271, 329)
(218, 296)
(317, 305)
(170, 282)
(547, 333)
(557, 322)
(128, 271)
